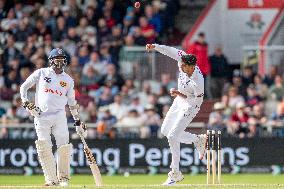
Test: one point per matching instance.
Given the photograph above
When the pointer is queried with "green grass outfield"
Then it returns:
(255, 181)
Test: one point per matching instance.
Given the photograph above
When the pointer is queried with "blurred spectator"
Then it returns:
(91, 113)
(219, 72)
(81, 28)
(48, 44)
(253, 127)
(247, 76)
(90, 78)
(111, 78)
(72, 35)
(276, 91)
(3, 11)
(260, 87)
(217, 118)
(12, 80)
(132, 89)
(10, 52)
(105, 98)
(116, 42)
(153, 100)
(200, 49)
(92, 15)
(127, 23)
(110, 21)
(23, 30)
(2, 78)
(60, 30)
(83, 55)
(238, 125)
(144, 94)
(74, 66)
(270, 77)
(106, 57)
(10, 118)
(10, 22)
(252, 97)
(237, 83)
(74, 9)
(105, 126)
(167, 82)
(147, 30)
(139, 39)
(276, 120)
(96, 64)
(69, 46)
(124, 92)
(24, 74)
(21, 113)
(152, 122)
(129, 126)
(70, 20)
(136, 105)
(103, 31)
(90, 36)
(234, 97)
(41, 29)
(258, 115)
(39, 54)
(118, 108)
(164, 96)
(153, 18)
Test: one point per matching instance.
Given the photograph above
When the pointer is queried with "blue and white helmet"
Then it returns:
(57, 58)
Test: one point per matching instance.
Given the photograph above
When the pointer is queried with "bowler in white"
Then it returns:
(187, 102)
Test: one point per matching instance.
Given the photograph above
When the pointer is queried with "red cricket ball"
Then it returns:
(137, 5)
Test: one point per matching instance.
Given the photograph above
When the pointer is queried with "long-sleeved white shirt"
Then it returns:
(53, 91)
(190, 86)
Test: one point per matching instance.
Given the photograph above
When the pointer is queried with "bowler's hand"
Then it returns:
(81, 128)
(174, 92)
(149, 47)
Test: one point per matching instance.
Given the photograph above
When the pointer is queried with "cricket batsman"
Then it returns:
(54, 89)
(187, 102)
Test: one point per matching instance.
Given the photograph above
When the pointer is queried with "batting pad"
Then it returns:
(63, 162)
(47, 161)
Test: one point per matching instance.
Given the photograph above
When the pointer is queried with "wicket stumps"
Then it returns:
(213, 143)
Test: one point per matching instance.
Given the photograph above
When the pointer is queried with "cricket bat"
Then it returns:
(92, 162)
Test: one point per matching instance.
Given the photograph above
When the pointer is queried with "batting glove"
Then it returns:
(81, 128)
(32, 108)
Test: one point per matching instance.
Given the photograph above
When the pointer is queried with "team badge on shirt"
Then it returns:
(63, 84)
(47, 79)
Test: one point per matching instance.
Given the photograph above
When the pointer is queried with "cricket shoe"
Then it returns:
(200, 145)
(173, 178)
(64, 183)
(47, 184)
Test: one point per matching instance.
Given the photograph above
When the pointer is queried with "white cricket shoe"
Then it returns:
(64, 184)
(200, 145)
(173, 178)
(51, 184)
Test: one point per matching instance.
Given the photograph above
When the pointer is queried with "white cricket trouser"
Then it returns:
(177, 119)
(55, 124)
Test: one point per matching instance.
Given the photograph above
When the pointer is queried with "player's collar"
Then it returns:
(52, 70)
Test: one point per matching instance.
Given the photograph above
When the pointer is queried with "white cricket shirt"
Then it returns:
(53, 91)
(192, 86)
